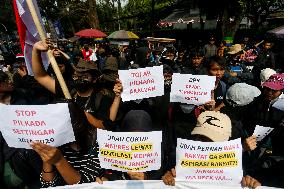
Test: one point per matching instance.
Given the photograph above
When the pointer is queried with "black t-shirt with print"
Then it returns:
(219, 94)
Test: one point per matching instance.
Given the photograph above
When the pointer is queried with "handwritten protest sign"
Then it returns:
(130, 151)
(142, 83)
(191, 89)
(49, 124)
(216, 162)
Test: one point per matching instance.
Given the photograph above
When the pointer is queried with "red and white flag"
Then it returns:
(28, 33)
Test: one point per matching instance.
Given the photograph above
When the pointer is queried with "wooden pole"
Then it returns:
(49, 52)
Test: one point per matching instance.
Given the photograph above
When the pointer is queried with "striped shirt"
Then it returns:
(87, 165)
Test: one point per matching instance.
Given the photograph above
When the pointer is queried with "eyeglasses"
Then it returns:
(82, 77)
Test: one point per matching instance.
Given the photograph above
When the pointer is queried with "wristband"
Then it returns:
(52, 171)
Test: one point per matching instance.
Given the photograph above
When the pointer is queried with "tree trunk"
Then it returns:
(93, 15)
(229, 27)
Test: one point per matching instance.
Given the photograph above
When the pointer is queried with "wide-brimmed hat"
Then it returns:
(235, 49)
(111, 64)
(275, 82)
(84, 66)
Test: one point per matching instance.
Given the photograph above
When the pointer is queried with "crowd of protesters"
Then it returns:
(249, 80)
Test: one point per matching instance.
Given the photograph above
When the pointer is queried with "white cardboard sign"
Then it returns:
(142, 83)
(130, 151)
(192, 89)
(214, 162)
(49, 124)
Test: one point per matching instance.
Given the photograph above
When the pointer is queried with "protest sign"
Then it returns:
(192, 89)
(130, 151)
(261, 132)
(214, 162)
(49, 124)
(152, 184)
(142, 83)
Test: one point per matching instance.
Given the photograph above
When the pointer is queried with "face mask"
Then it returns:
(82, 85)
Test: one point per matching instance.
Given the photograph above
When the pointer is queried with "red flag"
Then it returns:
(20, 25)
(28, 33)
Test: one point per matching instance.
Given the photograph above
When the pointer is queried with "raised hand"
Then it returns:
(48, 154)
(117, 89)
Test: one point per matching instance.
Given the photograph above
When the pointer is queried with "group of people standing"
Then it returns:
(246, 89)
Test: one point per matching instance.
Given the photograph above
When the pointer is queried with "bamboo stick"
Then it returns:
(49, 52)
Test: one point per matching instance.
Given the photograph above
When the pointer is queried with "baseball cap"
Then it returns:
(214, 125)
(275, 82)
(265, 74)
(241, 94)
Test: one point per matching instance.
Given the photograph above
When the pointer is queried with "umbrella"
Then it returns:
(122, 34)
(91, 33)
(277, 32)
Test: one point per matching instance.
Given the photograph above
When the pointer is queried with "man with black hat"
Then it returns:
(98, 108)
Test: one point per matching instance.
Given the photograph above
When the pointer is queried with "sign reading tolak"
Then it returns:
(48, 124)
(214, 162)
(142, 83)
(192, 89)
(130, 151)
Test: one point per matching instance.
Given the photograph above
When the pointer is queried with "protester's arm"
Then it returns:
(53, 156)
(64, 54)
(95, 122)
(115, 105)
(39, 72)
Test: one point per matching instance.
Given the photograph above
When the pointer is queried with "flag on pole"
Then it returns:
(28, 33)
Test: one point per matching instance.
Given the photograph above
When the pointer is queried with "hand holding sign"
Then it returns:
(261, 132)
(250, 143)
(117, 89)
(48, 154)
(169, 177)
(136, 176)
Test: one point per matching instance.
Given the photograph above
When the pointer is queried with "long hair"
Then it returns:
(85, 134)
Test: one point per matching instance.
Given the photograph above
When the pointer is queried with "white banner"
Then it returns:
(214, 162)
(142, 83)
(49, 124)
(192, 89)
(130, 151)
(152, 184)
